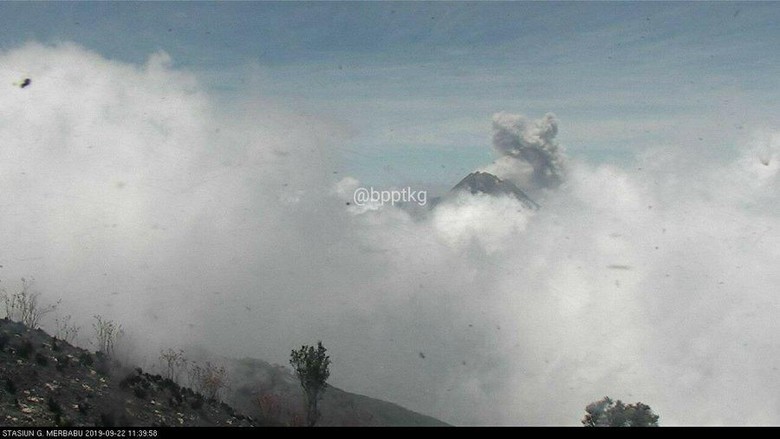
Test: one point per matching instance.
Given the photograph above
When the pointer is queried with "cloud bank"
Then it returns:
(130, 192)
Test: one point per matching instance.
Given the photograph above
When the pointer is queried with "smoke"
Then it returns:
(131, 193)
(529, 154)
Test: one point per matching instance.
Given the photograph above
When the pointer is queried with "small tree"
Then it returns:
(107, 333)
(208, 380)
(608, 413)
(23, 306)
(66, 331)
(174, 362)
(312, 368)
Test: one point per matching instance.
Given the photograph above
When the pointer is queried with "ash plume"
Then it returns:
(528, 152)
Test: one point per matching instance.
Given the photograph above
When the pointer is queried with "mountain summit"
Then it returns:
(488, 183)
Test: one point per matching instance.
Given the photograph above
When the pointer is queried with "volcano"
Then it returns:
(488, 183)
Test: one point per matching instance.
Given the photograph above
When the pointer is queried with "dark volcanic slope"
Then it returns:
(488, 183)
(47, 382)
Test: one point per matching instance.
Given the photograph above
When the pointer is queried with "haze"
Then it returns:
(186, 169)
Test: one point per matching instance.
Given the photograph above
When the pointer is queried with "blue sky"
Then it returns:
(416, 83)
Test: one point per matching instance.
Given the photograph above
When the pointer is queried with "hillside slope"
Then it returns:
(272, 393)
(47, 382)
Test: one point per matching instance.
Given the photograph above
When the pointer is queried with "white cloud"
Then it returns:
(483, 219)
(656, 285)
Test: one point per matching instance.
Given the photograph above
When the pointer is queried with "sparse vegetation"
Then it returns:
(270, 406)
(274, 409)
(23, 306)
(107, 333)
(55, 386)
(52, 382)
(208, 380)
(173, 363)
(65, 330)
(312, 367)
